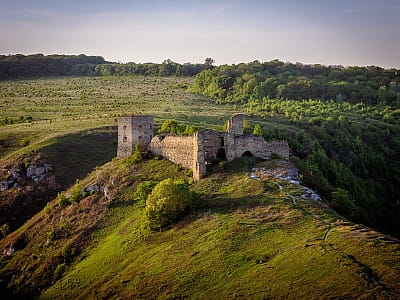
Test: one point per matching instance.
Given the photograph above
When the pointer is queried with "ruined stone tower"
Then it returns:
(235, 125)
(131, 131)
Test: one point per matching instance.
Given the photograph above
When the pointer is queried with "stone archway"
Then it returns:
(247, 154)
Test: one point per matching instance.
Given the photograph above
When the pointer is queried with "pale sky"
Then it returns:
(345, 32)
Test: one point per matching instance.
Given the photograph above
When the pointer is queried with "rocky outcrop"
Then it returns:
(285, 173)
(37, 172)
(15, 177)
(24, 189)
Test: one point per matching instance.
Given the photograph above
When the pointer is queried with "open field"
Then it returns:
(64, 105)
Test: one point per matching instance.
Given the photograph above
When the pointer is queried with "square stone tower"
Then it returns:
(131, 131)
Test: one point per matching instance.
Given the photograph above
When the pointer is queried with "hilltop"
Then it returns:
(244, 238)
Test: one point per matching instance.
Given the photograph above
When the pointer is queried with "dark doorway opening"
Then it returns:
(221, 155)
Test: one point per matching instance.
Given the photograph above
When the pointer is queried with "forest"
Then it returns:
(342, 124)
(39, 65)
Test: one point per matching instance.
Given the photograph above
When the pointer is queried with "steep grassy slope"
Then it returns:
(244, 239)
(55, 236)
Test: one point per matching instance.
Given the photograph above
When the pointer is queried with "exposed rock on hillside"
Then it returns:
(24, 186)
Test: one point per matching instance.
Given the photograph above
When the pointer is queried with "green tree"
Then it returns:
(342, 202)
(142, 191)
(209, 63)
(172, 126)
(257, 130)
(168, 201)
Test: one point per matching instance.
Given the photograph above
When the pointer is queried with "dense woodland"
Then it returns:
(276, 79)
(346, 141)
(39, 65)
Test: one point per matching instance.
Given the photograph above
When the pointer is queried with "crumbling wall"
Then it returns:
(258, 147)
(195, 151)
(211, 142)
(176, 148)
(235, 125)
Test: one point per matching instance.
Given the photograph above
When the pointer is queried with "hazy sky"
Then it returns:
(346, 32)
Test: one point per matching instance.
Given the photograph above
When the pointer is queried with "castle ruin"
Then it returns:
(199, 149)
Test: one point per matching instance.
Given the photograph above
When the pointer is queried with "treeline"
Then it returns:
(342, 125)
(279, 80)
(39, 65)
(17, 66)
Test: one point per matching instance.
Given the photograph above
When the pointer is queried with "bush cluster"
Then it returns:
(169, 200)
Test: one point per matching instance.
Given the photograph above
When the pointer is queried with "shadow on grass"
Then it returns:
(75, 155)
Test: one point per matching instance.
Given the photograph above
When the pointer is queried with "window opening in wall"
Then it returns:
(222, 142)
(140, 137)
(125, 139)
(140, 126)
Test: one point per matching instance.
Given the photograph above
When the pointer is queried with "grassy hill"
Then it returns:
(244, 238)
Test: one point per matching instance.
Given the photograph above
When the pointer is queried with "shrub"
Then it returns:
(62, 200)
(76, 195)
(138, 155)
(172, 126)
(257, 130)
(47, 209)
(51, 234)
(58, 272)
(168, 201)
(24, 142)
(5, 229)
(190, 129)
(142, 192)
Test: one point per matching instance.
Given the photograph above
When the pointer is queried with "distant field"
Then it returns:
(64, 105)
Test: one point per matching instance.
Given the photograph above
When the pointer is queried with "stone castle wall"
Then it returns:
(176, 148)
(196, 151)
(210, 142)
(258, 147)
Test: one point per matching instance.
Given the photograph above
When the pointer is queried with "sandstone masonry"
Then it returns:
(196, 151)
